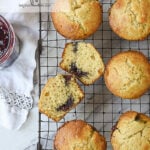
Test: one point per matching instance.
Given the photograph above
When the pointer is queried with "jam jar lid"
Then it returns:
(7, 40)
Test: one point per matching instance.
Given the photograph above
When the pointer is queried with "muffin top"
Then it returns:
(127, 74)
(76, 19)
(78, 135)
(130, 19)
(132, 132)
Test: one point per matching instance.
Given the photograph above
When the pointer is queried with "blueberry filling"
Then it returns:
(67, 79)
(67, 105)
(4, 38)
(75, 46)
(114, 127)
(78, 72)
(137, 117)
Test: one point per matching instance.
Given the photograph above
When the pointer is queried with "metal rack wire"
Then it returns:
(100, 108)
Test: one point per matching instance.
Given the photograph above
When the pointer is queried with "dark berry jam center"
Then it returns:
(67, 79)
(4, 38)
(67, 105)
(75, 47)
(76, 71)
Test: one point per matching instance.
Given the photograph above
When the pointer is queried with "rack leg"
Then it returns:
(39, 146)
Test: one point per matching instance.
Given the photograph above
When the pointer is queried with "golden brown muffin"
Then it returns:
(59, 96)
(82, 60)
(127, 74)
(132, 132)
(78, 135)
(76, 19)
(130, 19)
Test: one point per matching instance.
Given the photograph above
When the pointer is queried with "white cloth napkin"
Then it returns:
(16, 81)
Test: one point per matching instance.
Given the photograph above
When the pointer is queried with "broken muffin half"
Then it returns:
(60, 94)
(82, 60)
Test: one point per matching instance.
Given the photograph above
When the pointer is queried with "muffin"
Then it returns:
(60, 94)
(130, 19)
(78, 135)
(132, 132)
(82, 60)
(127, 74)
(76, 19)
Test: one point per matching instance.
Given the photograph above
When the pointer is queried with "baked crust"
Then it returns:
(132, 131)
(76, 19)
(127, 74)
(78, 135)
(130, 19)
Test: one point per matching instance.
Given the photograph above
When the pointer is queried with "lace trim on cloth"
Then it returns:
(14, 99)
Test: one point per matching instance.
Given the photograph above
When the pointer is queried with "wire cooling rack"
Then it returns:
(99, 108)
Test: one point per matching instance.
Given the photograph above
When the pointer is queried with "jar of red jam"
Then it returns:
(9, 44)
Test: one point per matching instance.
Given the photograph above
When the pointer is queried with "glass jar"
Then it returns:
(9, 44)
